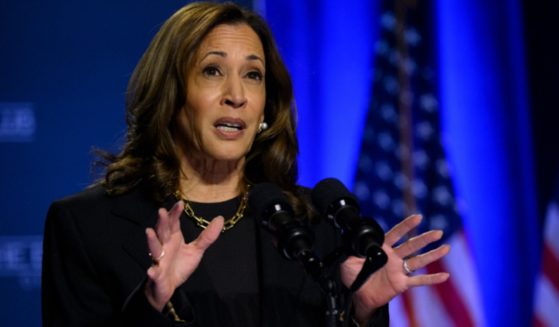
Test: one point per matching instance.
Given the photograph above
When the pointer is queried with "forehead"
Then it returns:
(232, 37)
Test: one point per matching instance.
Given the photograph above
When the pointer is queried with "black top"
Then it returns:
(225, 287)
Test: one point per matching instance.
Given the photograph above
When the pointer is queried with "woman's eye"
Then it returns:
(211, 71)
(255, 75)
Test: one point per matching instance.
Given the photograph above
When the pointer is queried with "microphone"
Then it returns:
(364, 237)
(334, 201)
(292, 237)
(294, 240)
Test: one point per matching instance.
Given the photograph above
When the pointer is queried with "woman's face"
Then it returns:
(225, 94)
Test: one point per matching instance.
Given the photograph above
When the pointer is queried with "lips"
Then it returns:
(229, 127)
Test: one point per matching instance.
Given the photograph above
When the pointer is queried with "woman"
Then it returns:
(209, 113)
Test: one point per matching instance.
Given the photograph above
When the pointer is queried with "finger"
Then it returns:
(210, 234)
(153, 273)
(162, 226)
(398, 231)
(423, 260)
(430, 279)
(416, 243)
(154, 245)
(174, 216)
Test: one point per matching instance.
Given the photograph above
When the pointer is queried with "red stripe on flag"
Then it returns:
(538, 322)
(450, 298)
(410, 311)
(551, 266)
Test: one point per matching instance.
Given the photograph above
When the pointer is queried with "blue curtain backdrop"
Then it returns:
(484, 101)
(63, 73)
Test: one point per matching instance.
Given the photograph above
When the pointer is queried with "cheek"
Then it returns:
(260, 104)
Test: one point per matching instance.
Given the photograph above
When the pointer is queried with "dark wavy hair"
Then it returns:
(156, 93)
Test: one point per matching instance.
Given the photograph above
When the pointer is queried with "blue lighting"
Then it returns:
(484, 103)
(327, 46)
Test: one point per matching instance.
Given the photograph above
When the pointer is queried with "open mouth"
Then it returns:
(228, 125)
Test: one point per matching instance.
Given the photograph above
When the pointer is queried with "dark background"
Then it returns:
(542, 53)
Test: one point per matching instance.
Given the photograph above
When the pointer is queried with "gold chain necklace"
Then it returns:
(203, 223)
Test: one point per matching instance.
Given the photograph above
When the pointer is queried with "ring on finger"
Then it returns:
(155, 261)
(407, 268)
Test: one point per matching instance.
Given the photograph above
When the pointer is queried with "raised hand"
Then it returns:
(393, 279)
(173, 259)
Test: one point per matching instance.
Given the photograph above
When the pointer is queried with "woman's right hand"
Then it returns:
(173, 259)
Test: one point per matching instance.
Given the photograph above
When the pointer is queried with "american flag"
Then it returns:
(403, 170)
(546, 305)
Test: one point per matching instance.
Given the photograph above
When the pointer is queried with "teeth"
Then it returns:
(228, 128)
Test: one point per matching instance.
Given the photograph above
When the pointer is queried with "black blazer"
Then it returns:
(95, 260)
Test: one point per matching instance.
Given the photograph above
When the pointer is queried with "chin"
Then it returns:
(226, 152)
(229, 157)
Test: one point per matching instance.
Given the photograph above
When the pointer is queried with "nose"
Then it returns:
(234, 93)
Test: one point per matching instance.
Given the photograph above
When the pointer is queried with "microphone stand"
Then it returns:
(375, 258)
(317, 270)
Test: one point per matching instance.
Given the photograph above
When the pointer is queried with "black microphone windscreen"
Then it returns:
(327, 191)
(264, 195)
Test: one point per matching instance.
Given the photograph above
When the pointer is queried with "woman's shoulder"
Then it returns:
(97, 195)
(93, 214)
(96, 201)
(89, 197)
(78, 207)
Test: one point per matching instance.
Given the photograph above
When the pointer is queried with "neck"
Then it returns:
(211, 180)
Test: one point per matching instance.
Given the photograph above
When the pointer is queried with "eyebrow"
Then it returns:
(223, 54)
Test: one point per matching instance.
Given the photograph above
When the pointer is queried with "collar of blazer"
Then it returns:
(139, 212)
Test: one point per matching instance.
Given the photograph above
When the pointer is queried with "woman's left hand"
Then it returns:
(392, 279)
